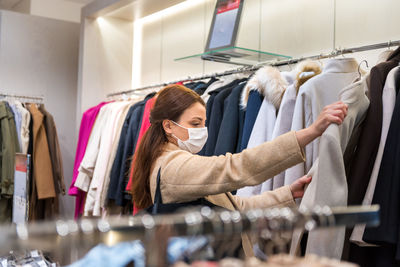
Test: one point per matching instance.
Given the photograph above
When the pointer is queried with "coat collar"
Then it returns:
(269, 82)
(395, 55)
(340, 65)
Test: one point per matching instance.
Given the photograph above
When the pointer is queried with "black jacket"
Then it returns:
(125, 151)
(217, 113)
(367, 148)
(228, 137)
(387, 190)
(253, 106)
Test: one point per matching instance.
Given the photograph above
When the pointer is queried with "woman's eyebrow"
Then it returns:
(199, 118)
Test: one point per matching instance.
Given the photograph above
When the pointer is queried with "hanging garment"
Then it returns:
(43, 203)
(216, 114)
(24, 131)
(87, 123)
(54, 149)
(17, 120)
(116, 139)
(283, 124)
(209, 105)
(108, 133)
(87, 166)
(218, 84)
(388, 101)
(328, 186)
(313, 96)
(365, 155)
(270, 84)
(143, 129)
(387, 190)
(200, 89)
(9, 146)
(229, 136)
(251, 102)
(217, 175)
(43, 172)
(128, 140)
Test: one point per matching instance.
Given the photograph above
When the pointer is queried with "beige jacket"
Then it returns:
(186, 177)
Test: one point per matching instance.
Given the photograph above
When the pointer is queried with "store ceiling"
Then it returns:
(141, 8)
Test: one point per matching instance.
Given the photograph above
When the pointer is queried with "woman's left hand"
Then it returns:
(297, 187)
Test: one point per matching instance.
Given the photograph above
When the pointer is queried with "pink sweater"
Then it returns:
(87, 122)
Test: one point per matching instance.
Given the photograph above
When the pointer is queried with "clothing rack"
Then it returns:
(155, 231)
(37, 98)
(334, 53)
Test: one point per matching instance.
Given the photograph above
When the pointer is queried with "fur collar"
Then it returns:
(306, 70)
(269, 83)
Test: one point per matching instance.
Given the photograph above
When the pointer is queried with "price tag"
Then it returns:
(34, 253)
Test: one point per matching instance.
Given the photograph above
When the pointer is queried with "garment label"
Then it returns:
(21, 179)
(34, 254)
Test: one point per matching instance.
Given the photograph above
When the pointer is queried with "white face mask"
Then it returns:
(197, 139)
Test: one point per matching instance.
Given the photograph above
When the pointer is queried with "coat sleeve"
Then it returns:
(328, 176)
(187, 177)
(281, 197)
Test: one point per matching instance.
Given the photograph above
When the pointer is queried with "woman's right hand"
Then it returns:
(333, 113)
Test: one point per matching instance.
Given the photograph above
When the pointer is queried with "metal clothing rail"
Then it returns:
(334, 53)
(40, 98)
(155, 231)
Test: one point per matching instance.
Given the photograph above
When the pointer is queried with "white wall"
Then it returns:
(106, 56)
(39, 56)
(293, 28)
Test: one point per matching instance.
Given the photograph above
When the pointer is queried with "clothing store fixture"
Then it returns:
(23, 97)
(236, 56)
(334, 53)
(155, 231)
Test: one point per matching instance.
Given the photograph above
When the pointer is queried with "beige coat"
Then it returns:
(186, 177)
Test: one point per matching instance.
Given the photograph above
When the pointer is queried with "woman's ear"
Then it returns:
(167, 126)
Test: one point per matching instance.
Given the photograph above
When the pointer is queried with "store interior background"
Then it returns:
(76, 52)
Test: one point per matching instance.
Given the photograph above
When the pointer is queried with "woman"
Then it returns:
(178, 131)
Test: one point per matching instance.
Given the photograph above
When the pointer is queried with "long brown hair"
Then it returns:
(171, 102)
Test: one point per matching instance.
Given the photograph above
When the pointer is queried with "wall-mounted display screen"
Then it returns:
(225, 24)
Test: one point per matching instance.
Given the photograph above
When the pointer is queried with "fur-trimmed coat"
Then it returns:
(303, 72)
(269, 82)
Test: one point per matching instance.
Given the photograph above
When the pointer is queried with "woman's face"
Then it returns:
(192, 117)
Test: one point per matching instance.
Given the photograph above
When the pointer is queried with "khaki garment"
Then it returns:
(9, 146)
(42, 167)
(186, 177)
(55, 151)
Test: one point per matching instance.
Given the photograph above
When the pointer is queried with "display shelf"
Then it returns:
(235, 55)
